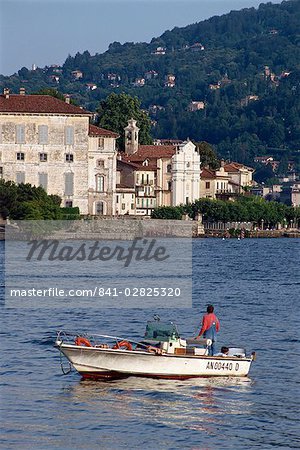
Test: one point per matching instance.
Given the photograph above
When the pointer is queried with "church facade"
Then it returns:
(162, 175)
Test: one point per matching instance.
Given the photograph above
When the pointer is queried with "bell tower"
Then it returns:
(131, 137)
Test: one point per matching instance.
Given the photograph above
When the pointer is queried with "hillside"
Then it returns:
(241, 70)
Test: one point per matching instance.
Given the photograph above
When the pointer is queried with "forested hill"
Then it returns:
(244, 66)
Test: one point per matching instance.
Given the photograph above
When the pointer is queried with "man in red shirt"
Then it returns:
(210, 327)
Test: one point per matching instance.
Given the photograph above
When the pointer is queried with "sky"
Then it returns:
(45, 32)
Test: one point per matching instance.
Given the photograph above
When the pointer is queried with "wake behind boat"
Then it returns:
(161, 354)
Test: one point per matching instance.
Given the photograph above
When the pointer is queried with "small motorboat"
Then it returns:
(162, 353)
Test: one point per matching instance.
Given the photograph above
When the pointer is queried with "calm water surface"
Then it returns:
(254, 285)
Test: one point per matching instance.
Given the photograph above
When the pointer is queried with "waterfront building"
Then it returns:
(162, 175)
(216, 184)
(47, 142)
(241, 176)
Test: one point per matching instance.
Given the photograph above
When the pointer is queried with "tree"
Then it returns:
(26, 202)
(115, 111)
(208, 156)
(53, 93)
(167, 212)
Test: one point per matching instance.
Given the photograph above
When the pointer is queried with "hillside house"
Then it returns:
(160, 51)
(196, 106)
(91, 86)
(197, 47)
(170, 81)
(151, 74)
(139, 82)
(248, 99)
(77, 74)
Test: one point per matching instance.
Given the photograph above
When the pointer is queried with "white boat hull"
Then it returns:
(99, 363)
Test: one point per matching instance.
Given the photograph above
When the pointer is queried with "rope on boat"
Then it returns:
(64, 371)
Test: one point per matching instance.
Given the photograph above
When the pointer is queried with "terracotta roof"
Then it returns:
(151, 152)
(96, 131)
(233, 167)
(138, 165)
(42, 104)
(207, 173)
(127, 163)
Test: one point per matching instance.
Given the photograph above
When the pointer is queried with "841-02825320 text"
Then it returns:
(140, 292)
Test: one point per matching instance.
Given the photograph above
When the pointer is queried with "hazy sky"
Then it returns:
(44, 32)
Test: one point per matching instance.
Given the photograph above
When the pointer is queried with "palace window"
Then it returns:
(207, 185)
(100, 183)
(20, 177)
(43, 134)
(20, 156)
(69, 183)
(169, 168)
(43, 180)
(100, 163)
(69, 135)
(43, 157)
(101, 142)
(1, 172)
(20, 134)
(69, 157)
(68, 204)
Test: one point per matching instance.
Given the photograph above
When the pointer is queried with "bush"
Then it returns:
(70, 213)
(168, 212)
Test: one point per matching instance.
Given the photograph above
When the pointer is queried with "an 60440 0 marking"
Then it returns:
(222, 365)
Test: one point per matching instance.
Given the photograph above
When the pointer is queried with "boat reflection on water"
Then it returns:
(198, 404)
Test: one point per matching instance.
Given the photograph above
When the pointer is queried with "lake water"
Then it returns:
(254, 285)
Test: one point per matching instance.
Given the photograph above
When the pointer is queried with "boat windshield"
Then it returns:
(161, 331)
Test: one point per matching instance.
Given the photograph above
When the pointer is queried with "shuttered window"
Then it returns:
(99, 183)
(43, 180)
(43, 134)
(20, 134)
(20, 177)
(69, 135)
(69, 183)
